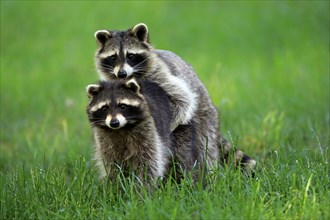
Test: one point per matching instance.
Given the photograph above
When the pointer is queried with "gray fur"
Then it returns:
(193, 110)
(142, 146)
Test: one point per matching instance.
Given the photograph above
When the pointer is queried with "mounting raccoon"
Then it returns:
(129, 53)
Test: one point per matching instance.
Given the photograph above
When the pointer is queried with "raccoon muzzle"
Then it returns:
(114, 123)
(122, 74)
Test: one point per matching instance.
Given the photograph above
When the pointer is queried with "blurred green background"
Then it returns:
(265, 64)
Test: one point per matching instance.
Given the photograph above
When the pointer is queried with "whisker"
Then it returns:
(138, 73)
(98, 121)
(143, 61)
(104, 64)
(107, 66)
(108, 70)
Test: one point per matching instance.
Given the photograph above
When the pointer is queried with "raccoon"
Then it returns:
(131, 126)
(128, 53)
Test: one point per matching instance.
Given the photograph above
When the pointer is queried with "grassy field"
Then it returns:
(265, 64)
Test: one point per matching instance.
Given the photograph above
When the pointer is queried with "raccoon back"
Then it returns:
(181, 68)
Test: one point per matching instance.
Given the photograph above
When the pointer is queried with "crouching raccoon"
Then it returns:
(131, 123)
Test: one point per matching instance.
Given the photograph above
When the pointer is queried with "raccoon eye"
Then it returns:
(112, 58)
(104, 108)
(122, 106)
(130, 56)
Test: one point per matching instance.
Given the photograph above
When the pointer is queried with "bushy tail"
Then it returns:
(228, 153)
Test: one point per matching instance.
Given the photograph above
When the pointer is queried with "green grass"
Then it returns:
(265, 64)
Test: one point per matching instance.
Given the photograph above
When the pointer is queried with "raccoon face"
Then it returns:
(115, 104)
(123, 53)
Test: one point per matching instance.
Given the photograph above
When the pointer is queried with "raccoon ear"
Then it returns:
(102, 36)
(133, 84)
(141, 32)
(92, 90)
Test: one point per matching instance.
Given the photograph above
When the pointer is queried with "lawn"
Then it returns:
(264, 63)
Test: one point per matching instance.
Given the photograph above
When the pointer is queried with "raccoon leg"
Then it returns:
(186, 151)
(240, 158)
(183, 99)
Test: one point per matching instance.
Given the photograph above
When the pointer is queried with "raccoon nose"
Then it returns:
(122, 74)
(114, 123)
